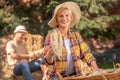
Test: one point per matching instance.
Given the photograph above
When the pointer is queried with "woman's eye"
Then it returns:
(60, 15)
(67, 15)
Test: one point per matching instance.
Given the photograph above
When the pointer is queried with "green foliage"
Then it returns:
(95, 16)
(114, 18)
(14, 13)
(50, 7)
(8, 20)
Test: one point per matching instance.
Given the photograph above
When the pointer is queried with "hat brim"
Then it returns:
(73, 7)
(20, 31)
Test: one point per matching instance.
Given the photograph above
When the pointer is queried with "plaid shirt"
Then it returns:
(79, 50)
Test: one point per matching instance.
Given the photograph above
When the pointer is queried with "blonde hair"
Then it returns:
(56, 42)
(62, 8)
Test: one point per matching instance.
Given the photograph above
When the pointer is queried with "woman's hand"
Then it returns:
(50, 56)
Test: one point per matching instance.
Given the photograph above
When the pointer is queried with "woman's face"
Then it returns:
(64, 18)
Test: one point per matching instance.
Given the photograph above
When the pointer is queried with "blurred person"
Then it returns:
(18, 56)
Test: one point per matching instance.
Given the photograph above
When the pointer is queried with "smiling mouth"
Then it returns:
(64, 22)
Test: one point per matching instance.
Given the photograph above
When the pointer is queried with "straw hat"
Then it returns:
(20, 28)
(73, 7)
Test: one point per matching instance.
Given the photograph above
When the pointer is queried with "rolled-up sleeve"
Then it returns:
(85, 50)
(9, 48)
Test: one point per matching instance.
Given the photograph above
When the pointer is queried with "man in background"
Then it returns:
(18, 56)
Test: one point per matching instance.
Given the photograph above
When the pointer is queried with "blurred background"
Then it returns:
(99, 25)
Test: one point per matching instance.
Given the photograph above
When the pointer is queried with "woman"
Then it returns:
(65, 51)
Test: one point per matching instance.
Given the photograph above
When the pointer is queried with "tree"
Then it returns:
(96, 19)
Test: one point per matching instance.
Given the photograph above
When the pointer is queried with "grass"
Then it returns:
(105, 65)
(108, 66)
